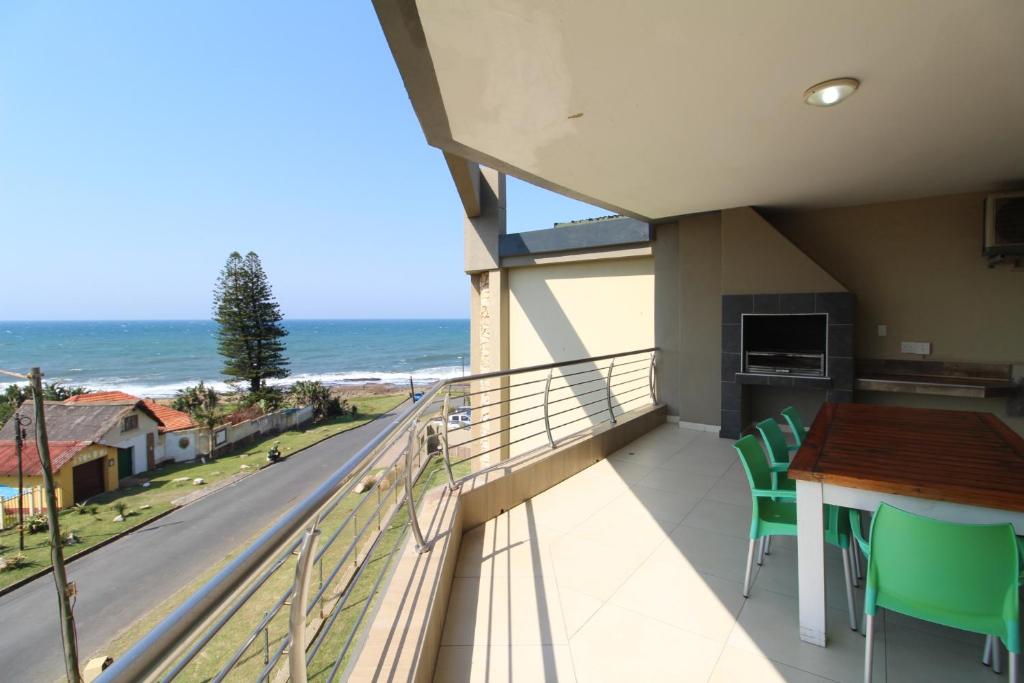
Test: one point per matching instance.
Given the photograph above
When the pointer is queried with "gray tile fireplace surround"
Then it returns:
(736, 385)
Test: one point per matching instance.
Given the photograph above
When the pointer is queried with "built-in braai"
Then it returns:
(785, 344)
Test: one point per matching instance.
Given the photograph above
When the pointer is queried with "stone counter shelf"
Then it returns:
(937, 378)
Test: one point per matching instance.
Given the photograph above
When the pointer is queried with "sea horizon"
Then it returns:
(157, 357)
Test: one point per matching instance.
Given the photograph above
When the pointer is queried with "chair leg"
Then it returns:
(767, 545)
(750, 568)
(760, 550)
(1014, 664)
(986, 656)
(997, 665)
(869, 646)
(857, 575)
(849, 587)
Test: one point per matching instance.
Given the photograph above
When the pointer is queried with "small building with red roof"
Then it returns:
(171, 436)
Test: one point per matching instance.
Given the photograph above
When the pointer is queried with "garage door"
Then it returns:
(88, 479)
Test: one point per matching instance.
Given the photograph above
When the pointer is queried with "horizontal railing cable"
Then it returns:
(401, 451)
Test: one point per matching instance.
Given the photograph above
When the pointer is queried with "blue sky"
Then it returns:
(140, 143)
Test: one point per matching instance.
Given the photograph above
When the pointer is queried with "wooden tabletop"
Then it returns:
(952, 455)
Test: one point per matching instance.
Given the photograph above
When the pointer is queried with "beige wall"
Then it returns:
(571, 310)
(700, 318)
(565, 311)
(914, 266)
(917, 267)
(757, 259)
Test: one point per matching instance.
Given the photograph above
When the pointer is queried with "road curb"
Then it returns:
(49, 570)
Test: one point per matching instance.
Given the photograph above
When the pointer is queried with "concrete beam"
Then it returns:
(466, 175)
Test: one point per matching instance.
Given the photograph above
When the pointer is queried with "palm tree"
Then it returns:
(312, 393)
(200, 402)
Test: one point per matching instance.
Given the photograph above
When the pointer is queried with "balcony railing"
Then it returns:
(292, 604)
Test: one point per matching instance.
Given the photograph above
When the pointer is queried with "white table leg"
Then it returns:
(811, 561)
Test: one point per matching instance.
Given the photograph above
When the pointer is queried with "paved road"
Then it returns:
(119, 583)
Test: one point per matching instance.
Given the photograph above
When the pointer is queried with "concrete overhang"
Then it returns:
(654, 110)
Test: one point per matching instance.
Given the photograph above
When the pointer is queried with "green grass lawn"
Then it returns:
(163, 489)
(91, 528)
(348, 624)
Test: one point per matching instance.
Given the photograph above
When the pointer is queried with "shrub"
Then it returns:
(83, 509)
(12, 562)
(35, 524)
(121, 507)
(267, 398)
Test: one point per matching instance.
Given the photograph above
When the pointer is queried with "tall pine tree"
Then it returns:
(250, 336)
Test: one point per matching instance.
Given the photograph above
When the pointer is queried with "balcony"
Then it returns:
(633, 570)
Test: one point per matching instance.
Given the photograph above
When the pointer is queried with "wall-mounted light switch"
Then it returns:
(916, 348)
(883, 330)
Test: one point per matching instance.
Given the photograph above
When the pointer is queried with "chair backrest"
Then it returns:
(778, 451)
(754, 463)
(796, 424)
(959, 575)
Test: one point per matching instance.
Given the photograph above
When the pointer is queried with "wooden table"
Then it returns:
(948, 464)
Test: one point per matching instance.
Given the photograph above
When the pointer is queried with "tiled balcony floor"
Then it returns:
(632, 571)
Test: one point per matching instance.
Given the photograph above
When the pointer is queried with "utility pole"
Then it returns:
(67, 617)
(19, 438)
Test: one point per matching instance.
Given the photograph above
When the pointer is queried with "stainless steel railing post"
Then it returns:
(297, 613)
(414, 523)
(611, 369)
(444, 442)
(547, 418)
(652, 378)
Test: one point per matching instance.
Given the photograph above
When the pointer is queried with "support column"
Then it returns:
(489, 333)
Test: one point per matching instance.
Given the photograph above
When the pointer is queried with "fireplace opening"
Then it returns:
(787, 344)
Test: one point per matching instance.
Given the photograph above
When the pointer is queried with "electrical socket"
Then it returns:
(883, 330)
(916, 348)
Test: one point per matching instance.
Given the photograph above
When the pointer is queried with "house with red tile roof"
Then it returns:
(176, 433)
(82, 465)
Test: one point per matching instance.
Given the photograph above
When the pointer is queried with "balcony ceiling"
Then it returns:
(659, 109)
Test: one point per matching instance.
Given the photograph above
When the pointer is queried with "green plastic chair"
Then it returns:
(796, 424)
(774, 514)
(779, 452)
(965, 576)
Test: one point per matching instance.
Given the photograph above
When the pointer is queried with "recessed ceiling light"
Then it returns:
(827, 93)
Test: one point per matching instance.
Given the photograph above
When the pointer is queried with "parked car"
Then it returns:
(459, 420)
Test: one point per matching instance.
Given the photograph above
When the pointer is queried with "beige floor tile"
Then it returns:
(697, 463)
(623, 470)
(651, 457)
(735, 665)
(678, 595)
(728, 490)
(916, 655)
(504, 664)
(664, 505)
(620, 645)
(711, 444)
(623, 523)
(577, 608)
(516, 558)
(721, 518)
(504, 610)
(769, 625)
(678, 481)
(708, 552)
(594, 568)
(779, 574)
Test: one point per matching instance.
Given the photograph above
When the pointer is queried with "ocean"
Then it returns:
(156, 358)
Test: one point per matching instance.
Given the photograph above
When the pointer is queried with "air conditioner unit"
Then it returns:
(1004, 225)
